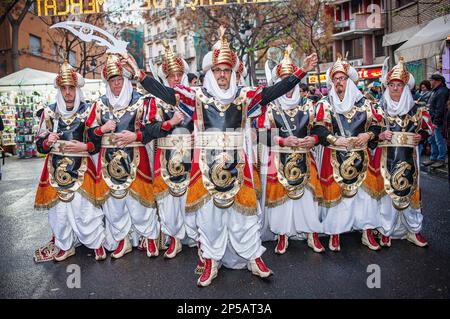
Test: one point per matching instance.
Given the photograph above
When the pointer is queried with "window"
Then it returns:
(72, 59)
(354, 47)
(379, 49)
(356, 6)
(35, 45)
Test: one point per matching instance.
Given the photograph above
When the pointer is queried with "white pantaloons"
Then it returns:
(190, 225)
(171, 214)
(219, 227)
(398, 223)
(296, 216)
(77, 219)
(124, 214)
(359, 212)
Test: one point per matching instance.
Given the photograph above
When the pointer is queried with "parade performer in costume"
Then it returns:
(221, 192)
(404, 121)
(347, 123)
(293, 188)
(172, 164)
(67, 185)
(124, 184)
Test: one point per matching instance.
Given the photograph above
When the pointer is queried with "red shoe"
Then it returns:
(258, 268)
(100, 253)
(385, 241)
(334, 243)
(417, 239)
(201, 262)
(152, 249)
(64, 254)
(47, 252)
(282, 244)
(314, 243)
(174, 248)
(209, 273)
(200, 267)
(123, 248)
(369, 240)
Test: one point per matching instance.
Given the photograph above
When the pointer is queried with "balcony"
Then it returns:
(157, 60)
(363, 23)
(171, 33)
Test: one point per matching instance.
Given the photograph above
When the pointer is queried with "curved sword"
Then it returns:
(86, 32)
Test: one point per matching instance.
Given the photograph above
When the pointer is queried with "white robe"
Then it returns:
(219, 227)
(296, 216)
(359, 212)
(77, 219)
(398, 223)
(126, 215)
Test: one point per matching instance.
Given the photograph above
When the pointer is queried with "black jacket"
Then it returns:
(438, 104)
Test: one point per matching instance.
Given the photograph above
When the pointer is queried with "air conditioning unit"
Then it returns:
(358, 62)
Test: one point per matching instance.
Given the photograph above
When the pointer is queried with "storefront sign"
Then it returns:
(67, 7)
(312, 79)
(374, 73)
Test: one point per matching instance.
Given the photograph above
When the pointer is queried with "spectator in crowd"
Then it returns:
(304, 90)
(2, 127)
(313, 94)
(192, 79)
(447, 134)
(437, 109)
(423, 94)
(200, 79)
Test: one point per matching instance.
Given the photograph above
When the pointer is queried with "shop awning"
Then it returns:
(428, 42)
(35, 80)
(401, 36)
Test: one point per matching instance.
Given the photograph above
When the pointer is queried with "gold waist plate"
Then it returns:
(179, 141)
(109, 140)
(403, 139)
(219, 140)
(58, 149)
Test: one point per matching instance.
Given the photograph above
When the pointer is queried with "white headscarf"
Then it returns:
(224, 96)
(288, 103)
(124, 98)
(352, 95)
(61, 104)
(401, 107)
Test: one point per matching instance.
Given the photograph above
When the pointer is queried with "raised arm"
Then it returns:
(262, 96)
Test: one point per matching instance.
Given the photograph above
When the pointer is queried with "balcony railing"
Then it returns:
(362, 23)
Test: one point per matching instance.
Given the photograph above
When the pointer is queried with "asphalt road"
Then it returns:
(406, 271)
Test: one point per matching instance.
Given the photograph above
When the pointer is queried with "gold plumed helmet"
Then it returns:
(398, 72)
(67, 75)
(341, 65)
(222, 54)
(112, 67)
(171, 63)
(286, 67)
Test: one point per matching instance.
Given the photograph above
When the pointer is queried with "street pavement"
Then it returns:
(406, 271)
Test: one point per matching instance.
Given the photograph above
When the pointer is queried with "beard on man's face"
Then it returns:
(339, 88)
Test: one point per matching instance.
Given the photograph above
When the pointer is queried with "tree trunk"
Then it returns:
(253, 79)
(15, 47)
